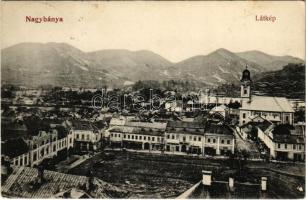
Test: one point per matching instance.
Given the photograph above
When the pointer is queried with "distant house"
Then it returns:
(174, 106)
(120, 121)
(222, 110)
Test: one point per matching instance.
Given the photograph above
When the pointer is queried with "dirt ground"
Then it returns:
(156, 176)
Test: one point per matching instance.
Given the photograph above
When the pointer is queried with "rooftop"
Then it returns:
(266, 103)
(83, 125)
(17, 185)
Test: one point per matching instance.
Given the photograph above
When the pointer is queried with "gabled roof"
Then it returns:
(265, 103)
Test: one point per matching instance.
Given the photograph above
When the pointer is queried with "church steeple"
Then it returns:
(246, 81)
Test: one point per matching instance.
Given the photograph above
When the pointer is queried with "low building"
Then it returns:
(284, 142)
(137, 138)
(199, 138)
(222, 110)
(87, 137)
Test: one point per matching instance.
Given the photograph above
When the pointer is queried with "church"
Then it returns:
(277, 110)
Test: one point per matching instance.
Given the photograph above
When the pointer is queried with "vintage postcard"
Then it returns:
(153, 100)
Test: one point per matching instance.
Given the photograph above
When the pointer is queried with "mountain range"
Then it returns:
(61, 64)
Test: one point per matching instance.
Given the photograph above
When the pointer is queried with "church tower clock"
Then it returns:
(246, 81)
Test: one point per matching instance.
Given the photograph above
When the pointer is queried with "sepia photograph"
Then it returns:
(153, 99)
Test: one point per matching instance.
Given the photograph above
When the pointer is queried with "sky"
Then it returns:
(174, 30)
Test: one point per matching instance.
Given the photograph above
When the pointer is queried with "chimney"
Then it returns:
(40, 174)
(264, 183)
(206, 180)
(231, 183)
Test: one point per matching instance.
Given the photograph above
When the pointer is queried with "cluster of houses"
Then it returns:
(174, 136)
(272, 118)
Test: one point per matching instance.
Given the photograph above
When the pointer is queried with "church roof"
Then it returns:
(265, 103)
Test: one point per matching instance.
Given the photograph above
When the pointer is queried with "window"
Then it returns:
(16, 162)
(177, 136)
(34, 156)
(172, 137)
(285, 146)
(245, 91)
(228, 141)
(128, 136)
(208, 140)
(47, 150)
(144, 137)
(77, 136)
(214, 140)
(300, 147)
(70, 141)
(112, 135)
(54, 147)
(87, 137)
(124, 136)
(42, 152)
(149, 138)
(83, 136)
(140, 137)
(184, 138)
(25, 160)
(133, 137)
(190, 137)
(243, 122)
(136, 137)
(222, 141)
(279, 145)
(287, 118)
(294, 146)
(194, 138)
(153, 138)
(243, 115)
(168, 136)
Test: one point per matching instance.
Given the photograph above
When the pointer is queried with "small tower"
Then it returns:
(246, 81)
